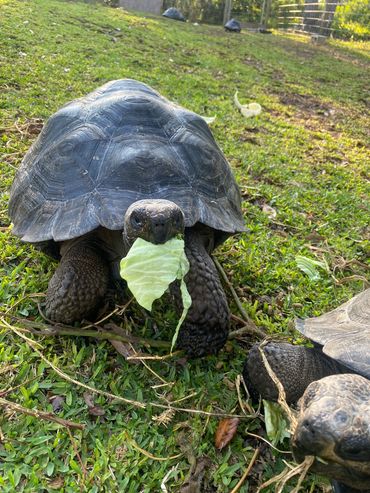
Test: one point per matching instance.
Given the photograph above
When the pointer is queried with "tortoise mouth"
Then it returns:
(357, 452)
(156, 221)
(351, 472)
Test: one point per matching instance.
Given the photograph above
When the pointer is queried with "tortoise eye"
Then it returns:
(136, 221)
(341, 418)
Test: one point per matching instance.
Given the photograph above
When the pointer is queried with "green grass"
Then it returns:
(306, 156)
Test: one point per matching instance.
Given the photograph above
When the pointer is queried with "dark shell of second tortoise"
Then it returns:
(344, 333)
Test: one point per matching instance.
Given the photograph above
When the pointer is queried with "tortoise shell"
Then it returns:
(173, 13)
(344, 333)
(233, 25)
(121, 143)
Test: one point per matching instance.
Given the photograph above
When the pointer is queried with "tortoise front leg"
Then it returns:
(79, 284)
(206, 326)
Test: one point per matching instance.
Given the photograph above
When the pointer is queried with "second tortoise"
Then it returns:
(334, 379)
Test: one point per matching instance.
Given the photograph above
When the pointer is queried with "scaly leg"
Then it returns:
(79, 284)
(206, 326)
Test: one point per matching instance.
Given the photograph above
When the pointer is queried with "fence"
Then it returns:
(308, 17)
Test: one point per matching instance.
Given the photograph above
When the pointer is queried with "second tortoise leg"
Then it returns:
(79, 284)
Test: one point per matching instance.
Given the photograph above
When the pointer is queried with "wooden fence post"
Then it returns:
(227, 10)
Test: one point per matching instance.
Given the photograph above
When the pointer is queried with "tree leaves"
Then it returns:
(276, 424)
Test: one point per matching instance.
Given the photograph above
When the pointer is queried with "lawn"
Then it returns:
(303, 170)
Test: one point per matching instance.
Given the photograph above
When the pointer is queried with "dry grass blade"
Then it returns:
(249, 324)
(282, 397)
(289, 473)
(246, 472)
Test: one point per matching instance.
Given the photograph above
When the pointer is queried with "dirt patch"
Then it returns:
(305, 102)
(308, 111)
(27, 129)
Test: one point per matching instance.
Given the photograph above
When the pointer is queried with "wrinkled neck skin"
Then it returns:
(334, 425)
(342, 488)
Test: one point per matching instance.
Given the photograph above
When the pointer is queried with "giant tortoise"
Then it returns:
(334, 378)
(120, 163)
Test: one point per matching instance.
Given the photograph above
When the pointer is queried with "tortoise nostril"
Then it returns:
(308, 427)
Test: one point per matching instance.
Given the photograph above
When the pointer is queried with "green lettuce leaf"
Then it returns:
(276, 424)
(310, 267)
(149, 269)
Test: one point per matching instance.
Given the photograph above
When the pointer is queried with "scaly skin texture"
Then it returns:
(334, 424)
(206, 326)
(295, 366)
(334, 412)
(79, 284)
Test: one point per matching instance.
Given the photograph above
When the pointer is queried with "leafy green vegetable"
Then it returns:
(276, 424)
(149, 269)
(309, 267)
(247, 110)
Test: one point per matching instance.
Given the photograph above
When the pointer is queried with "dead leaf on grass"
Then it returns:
(269, 211)
(225, 432)
(93, 409)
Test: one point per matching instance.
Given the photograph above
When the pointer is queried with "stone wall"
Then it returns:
(152, 6)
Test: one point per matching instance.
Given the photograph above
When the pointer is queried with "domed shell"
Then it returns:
(121, 143)
(175, 14)
(344, 333)
(233, 25)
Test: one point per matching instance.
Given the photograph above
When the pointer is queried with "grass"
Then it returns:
(306, 157)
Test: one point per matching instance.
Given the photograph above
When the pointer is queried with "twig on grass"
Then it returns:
(232, 290)
(32, 345)
(40, 414)
(248, 328)
(246, 472)
(42, 329)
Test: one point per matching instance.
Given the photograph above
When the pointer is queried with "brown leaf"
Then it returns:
(96, 411)
(56, 483)
(225, 432)
(57, 402)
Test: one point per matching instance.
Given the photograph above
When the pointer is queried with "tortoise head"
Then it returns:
(334, 426)
(153, 220)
